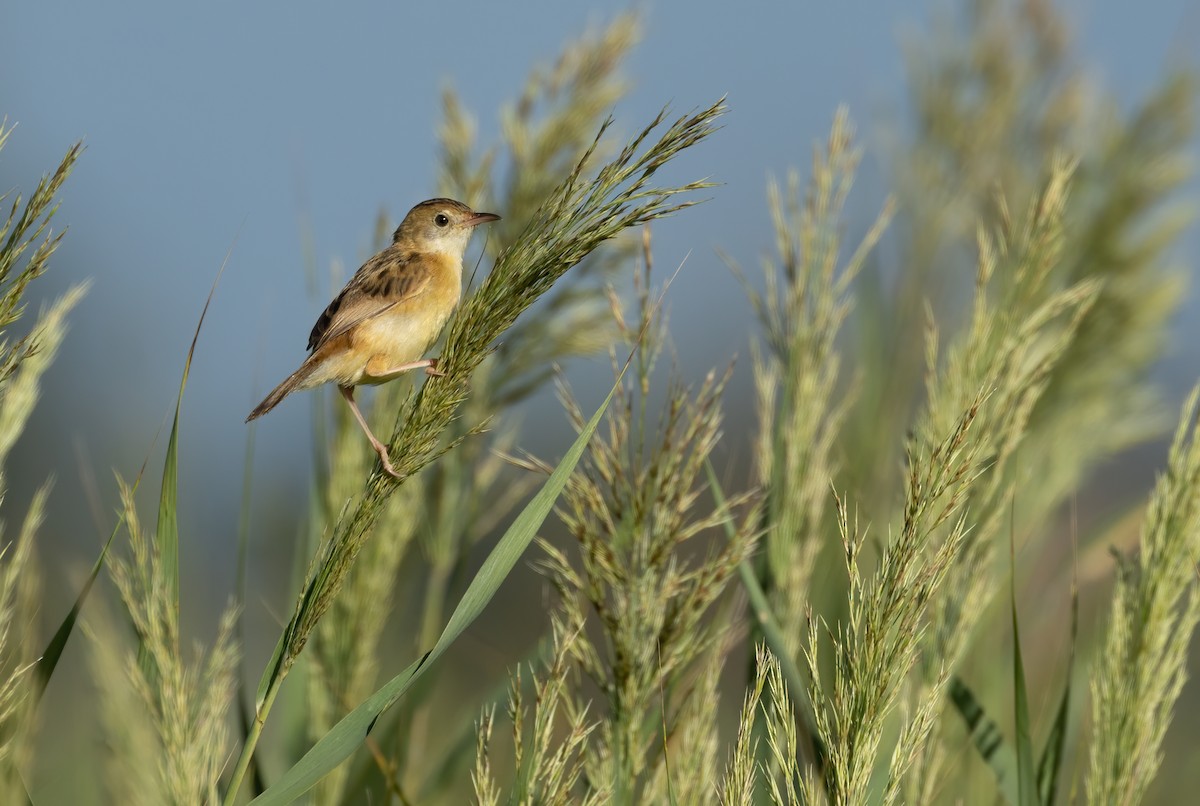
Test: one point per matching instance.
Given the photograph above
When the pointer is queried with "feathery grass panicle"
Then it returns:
(487, 790)
(19, 589)
(800, 407)
(549, 742)
(544, 132)
(806, 301)
(1033, 369)
(782, 737)
(1113, 231)
(348, 643)
(545, 135)
(1142, 668)
(740, 782)
(27, 361)
(133, 749)
(1124, 216)
(26, 245)
(979, 400)
(692, 739)
(581, 215)
(998, 96)
(187, 699)
(876, 647)
(27, 226)
(998, 368)
(461, 499)
(997, 90)
(634, 508)
(1017, 337)
(769, 704)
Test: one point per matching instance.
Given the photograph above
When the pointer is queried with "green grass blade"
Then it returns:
(765, 619)
(987, 738)
(1026, 774)
(339, 743)
(245, 717)
(1051, 761)
(453, 764)
(167, 534)
(46, 663)
(309, 539)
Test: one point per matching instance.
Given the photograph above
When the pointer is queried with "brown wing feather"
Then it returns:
(383, 282)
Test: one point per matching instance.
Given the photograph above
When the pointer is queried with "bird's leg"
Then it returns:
(429, 364)
(380, 448)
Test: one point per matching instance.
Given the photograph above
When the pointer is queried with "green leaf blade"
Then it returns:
(1050, 764)
(48, 660)
(1027, 794)
(347, 735)
(167, 533)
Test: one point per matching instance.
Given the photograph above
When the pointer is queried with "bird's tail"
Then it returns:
(290, 384)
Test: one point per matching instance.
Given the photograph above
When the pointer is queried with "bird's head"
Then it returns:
(440, 225)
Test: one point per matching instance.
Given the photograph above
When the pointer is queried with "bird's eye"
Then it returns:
(441, 219)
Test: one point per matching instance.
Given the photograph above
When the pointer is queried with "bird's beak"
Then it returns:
(481, 218)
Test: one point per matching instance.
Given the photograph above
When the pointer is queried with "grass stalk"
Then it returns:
(578, 217)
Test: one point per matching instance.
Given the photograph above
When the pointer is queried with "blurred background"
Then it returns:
(276, 135)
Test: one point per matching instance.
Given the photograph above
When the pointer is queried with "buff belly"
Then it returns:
(386, 341)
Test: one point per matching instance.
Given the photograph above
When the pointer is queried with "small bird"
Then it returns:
(392, 310)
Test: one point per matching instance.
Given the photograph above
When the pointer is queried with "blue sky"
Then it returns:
(221, 126)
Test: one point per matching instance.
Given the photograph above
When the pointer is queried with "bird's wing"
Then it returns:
(382, 283)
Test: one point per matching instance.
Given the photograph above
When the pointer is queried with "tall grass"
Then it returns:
(27, 243)
(933, 384)
(1143, 664)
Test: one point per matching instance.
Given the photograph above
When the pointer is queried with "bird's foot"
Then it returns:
(431, 368)
(386, 461)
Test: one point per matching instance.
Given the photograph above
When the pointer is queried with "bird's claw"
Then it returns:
(386, 461)
(432, 369)
(387, 467)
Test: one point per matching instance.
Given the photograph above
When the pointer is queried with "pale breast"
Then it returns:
(405, 333)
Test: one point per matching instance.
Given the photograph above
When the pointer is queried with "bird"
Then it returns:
(381, 324)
